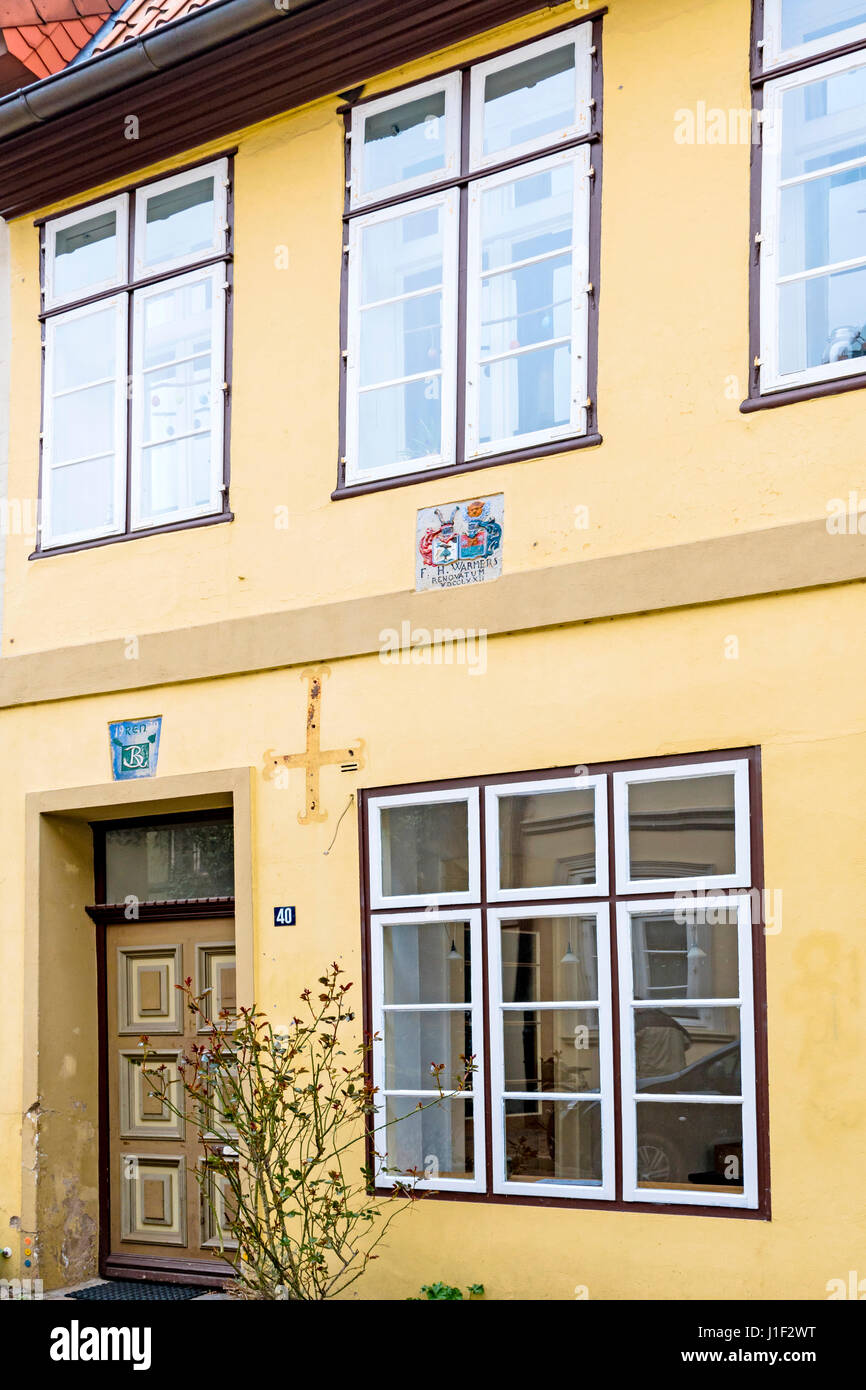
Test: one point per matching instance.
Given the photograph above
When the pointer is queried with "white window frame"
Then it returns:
(216, 275)
(451, 85)
(775, 56)
(606, 1190)
(631, 1098)
(581, 39)
(475, 1008)
(377, 804)
(143, 195)
(740, 878)
(50, 538)
(493, 794)
(578, 339)
(772, 378)
(446, 372)
(120, 207)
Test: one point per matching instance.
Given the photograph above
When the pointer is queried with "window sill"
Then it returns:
(190, 525)
(560, 446)
(759, 1213)
(793, 394)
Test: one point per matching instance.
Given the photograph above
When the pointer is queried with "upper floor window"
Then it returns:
(135, 294)
(813, 230)
(593, 943)
(795, 29)
(469, 295)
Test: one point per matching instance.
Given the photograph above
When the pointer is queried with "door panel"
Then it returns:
(156, 1206)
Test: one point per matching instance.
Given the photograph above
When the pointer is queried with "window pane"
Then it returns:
(822, 320)
(402, 339)
(427, 963)
(192, 859)
(438, 1142)
(176, 477)
(551, 1049)
(529, 100)
(551, 1141)
(404, 142)
(84, 423)
(682, 827)
(690, 1145)
(82, 496)
(85, 254)
(400, 423)
(688, 1051)
(526, 393)
(177, 399)
(178, 322)
(549, 958)
(521, 308)
(401, 255)
(179, 222)
(84, 349)
(674, 959)
(821, 221)
(806, 21)
(425, 849)
(547, 839)
(532, 215)
(401, 263)
(823, 123)
(416, 1043)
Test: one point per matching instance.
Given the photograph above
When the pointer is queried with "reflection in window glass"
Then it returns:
(688, 1052)
(529, 100)
(427, 963)
(159, 863)
(549, 958)
(425, 848)
(682, 827)
(404, 142)
(808, 21)
(401, 338)
(527, 292)
(85, 254)
(551, 1049)
(547, 839)
(676, 959)
(179, 222)
(690, 1146)
(557, 1141)
(417, 1043)
(438, 1139)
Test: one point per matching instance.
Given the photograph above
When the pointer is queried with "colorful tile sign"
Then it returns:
(134, 747)
(460, 543)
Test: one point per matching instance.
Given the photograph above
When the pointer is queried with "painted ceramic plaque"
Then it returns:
(460, 543)
(134, 747)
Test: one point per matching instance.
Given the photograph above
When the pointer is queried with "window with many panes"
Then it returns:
(469, 295)
(812, 234)
(135, 294)
(593, 942)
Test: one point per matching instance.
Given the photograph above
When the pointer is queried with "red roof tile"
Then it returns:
(40, 37)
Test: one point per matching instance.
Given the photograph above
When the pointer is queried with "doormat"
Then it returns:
(136, 1289)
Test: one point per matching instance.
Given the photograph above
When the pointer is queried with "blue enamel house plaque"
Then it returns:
(134, 747)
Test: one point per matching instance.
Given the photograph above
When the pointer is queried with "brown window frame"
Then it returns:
(759, 77)
(462, 182)
(128, 287)
(752, 755)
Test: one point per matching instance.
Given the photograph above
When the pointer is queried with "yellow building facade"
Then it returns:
(670, 587)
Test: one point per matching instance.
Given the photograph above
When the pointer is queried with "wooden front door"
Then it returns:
(157, 1214)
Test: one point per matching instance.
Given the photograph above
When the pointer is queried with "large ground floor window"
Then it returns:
(592, 939)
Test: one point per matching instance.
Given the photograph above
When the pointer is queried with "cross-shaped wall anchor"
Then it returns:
(314, 757)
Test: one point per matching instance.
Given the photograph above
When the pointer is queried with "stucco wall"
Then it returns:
(679, 461)
(633, 687)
